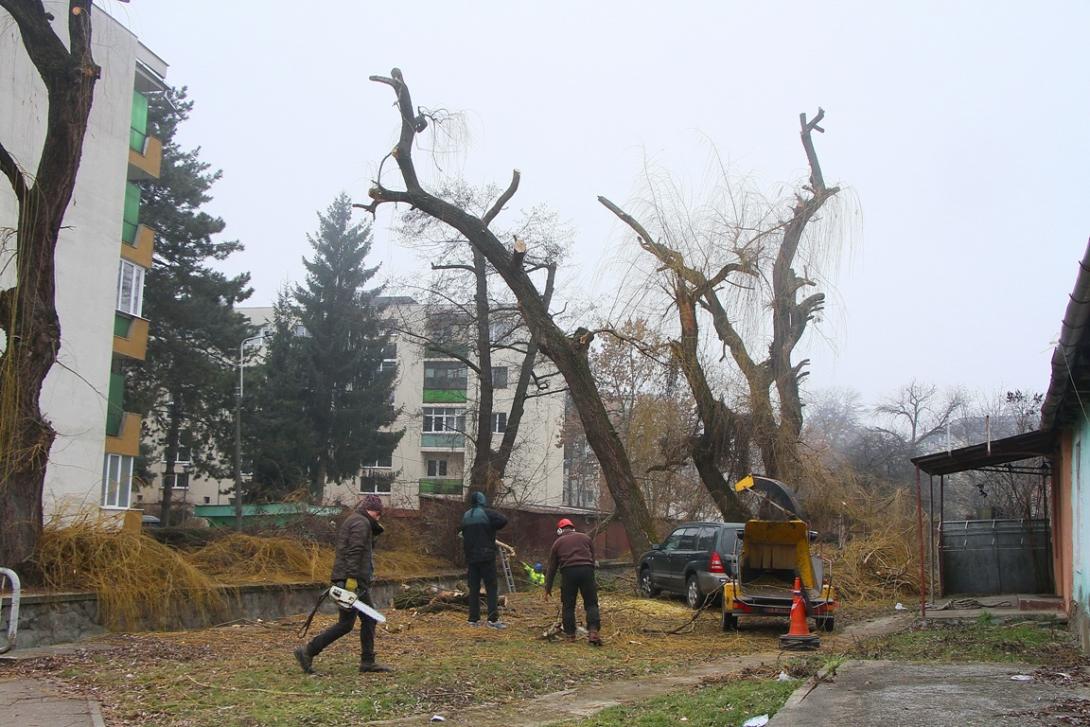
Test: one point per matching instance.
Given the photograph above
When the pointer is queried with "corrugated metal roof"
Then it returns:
(1041, 443)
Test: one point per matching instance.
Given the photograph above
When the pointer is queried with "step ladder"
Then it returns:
(508, 576)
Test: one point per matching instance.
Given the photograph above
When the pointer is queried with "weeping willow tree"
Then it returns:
(735, 261)
(28, 311)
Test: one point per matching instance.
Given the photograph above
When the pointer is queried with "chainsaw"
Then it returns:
(348, 599)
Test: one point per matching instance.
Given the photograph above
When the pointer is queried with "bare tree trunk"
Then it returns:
(28, 313)
(569, 354)
(482, 475)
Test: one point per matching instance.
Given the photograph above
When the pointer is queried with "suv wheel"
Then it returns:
(647, 589)
(693, 596)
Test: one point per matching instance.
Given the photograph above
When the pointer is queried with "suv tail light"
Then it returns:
(715, 564)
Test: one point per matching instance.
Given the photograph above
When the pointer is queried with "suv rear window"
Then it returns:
(706, 539)
(727, 537)
(688, 539)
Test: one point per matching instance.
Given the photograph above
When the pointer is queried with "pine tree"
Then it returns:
(186, 385)
(324, 374)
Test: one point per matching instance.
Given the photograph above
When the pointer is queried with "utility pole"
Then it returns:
(238, 429)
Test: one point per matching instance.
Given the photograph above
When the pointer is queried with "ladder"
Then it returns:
(505, 563)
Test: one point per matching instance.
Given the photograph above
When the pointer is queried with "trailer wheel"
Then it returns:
(730, 622)
(825, 623)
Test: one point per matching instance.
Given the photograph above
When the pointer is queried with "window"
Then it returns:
(374, 484)
(130, 288)
(444, 420)
(444, 375)
(178, 480)
(381, 463)
(706, 539)
(437, 468)
(673, 541)
(116, 481)
(207, 500)
(499, 377)
(688, 539)
(499, 422)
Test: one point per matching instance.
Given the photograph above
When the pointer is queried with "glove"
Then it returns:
(351, 584)
(339, 584)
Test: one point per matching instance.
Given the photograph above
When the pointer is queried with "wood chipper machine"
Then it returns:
(771, 554)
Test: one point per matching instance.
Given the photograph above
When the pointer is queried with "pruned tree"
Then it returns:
(28, 312)
(704, 269)
(462, 292)
(567, 351)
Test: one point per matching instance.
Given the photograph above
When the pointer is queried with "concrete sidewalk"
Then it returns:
(35, 703)
(902, 694)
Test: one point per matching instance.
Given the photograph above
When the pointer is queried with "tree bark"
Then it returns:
(569, 354)
(28, 312)
(174, 427)
(482, 475)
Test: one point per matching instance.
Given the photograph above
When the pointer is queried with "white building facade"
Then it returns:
(102, 254)
(437, 399)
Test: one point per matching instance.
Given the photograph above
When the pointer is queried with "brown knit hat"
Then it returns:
(373, 503)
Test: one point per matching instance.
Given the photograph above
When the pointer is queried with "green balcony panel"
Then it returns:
(446, 440)
(138, 131)
(444, 396)
(440, 487)
(121, 325)
(115, 405)
(131, 217)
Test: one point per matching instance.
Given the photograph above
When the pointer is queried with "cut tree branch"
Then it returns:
(504, 199)
(14, 174)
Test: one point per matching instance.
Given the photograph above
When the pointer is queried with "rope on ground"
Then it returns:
(247, 689)
(703, 607)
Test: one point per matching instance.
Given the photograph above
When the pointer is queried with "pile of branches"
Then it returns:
(432, 599)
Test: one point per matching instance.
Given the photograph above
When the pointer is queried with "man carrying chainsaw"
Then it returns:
(354, 570)
(573, 555)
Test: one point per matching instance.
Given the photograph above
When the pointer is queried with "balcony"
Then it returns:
(123, 434)
(139, 251)
(130, 336)
(444, 396)
(445, 441)
(444, 486)
(146, 161)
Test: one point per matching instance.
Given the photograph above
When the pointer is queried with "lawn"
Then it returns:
(244, 674)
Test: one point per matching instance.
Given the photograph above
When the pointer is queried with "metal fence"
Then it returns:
(996, 556)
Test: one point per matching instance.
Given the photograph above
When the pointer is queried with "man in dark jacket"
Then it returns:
(354, 569)
(478, 530)
(573, 555)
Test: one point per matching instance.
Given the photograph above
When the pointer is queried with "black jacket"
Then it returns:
(355, 549)
(478, 531)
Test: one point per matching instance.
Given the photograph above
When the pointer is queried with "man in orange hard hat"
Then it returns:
(573, 555)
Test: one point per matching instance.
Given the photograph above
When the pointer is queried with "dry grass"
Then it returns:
(138, 580)
(239, 558)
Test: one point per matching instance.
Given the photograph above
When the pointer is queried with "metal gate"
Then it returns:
(996, 556)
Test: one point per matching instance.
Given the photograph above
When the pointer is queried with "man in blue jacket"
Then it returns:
(478, 531)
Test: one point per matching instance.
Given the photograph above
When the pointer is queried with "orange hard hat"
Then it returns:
(565, 523)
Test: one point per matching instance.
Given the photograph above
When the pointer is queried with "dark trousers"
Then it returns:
(485, 571)
(343, 626)
(574, 580)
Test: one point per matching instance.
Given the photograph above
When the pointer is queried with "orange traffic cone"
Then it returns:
(798, 637)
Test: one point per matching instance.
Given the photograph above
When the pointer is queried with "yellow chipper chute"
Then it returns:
(772, 551)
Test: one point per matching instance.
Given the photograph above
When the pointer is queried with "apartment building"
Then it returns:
(102, 255)
(437, 396)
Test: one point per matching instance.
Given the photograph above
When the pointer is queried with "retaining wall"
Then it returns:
(58, 618)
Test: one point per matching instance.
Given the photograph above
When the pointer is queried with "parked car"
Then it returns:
(694, 561)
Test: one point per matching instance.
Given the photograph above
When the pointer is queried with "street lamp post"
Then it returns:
(238, 429)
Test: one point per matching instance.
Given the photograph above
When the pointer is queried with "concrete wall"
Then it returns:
(1062, 536)
(56, 618)
(74, 396)
(1080, 531)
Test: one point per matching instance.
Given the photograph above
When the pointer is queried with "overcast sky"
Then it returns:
(958, 130)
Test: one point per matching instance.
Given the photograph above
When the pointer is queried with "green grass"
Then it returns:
(710, 706)
(983, 640)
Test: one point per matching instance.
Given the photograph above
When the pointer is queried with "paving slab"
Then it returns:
(901, 694)
(35, 703)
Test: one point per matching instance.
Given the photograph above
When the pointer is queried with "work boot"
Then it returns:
(369, 665)
(593, 638)
(568, 638)
(304, 658)
(497, 625)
